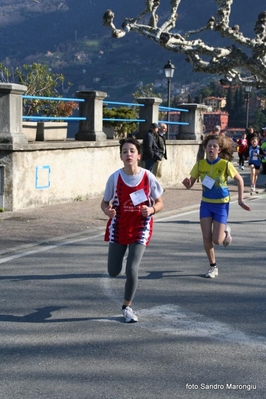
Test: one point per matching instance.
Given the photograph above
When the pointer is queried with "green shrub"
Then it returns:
(122, 129)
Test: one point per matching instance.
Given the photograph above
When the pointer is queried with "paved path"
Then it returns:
(62, 334)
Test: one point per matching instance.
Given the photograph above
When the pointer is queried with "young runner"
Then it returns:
(214, 208)
(132, 195)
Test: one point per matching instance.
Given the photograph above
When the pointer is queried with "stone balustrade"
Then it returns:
(40, 173)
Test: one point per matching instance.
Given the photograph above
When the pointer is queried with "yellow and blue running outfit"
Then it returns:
(215, 200)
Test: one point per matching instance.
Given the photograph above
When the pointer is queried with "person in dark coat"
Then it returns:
(151, 152)
(157, 169)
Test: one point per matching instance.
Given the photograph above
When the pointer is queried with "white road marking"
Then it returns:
(162, 219)
(177, 321)
(43, 248)
(26, 253)
(174, 320)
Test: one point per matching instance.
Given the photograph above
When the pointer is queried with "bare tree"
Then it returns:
(245, 54)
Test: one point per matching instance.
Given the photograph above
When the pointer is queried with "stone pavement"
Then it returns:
(23, 228)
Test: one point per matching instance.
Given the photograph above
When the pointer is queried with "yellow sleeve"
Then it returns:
(231, 170)
(195, 171)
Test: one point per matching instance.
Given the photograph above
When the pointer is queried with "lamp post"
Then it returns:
(169, 70)
(248, 89)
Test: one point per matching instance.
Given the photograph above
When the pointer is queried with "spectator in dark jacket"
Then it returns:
(157, 169)
(151, 152)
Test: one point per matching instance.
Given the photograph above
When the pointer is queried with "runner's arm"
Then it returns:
(240, 187)
(107, 209)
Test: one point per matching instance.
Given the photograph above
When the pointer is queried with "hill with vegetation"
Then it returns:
(68, 36)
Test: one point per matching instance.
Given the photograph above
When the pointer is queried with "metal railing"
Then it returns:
(169, 109)
(123, 119)
(78, 118)
(46, 118)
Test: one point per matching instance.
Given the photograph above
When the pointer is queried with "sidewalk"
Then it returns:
(35, 226)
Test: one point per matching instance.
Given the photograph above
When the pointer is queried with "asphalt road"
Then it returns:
(62, 334)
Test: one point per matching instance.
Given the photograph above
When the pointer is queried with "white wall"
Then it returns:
(77, 170)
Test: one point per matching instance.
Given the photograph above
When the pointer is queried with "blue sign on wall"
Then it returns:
(42, 177)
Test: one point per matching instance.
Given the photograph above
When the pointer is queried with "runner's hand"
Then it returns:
(110, 212)
(244, 206)
(186, 182)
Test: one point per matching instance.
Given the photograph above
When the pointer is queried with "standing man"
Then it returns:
(157, 169)
(151, 152)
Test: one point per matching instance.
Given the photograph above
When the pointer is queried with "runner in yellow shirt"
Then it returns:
(214, 208)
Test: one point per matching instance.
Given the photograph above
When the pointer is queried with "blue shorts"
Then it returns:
(218, 212)
(256, 166)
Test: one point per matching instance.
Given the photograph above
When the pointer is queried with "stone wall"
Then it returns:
(41, 173)
(52, 173)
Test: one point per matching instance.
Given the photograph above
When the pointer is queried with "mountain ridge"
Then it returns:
(70, 38)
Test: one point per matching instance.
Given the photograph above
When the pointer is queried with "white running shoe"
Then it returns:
(129, 315)
(252, 187)
(212, 272)
(228, 238)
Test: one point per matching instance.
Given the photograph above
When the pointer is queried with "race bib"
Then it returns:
(138, 197)
(208, 182)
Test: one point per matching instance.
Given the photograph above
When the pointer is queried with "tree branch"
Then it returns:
(220, 60)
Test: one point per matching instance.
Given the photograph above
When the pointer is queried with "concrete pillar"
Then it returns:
(91, 129)
(149, 112)
(11, 136)
(195, 118)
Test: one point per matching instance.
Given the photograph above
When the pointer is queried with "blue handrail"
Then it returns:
(49, 118)
(73, 118)
(46, 118)
(75, 100)
(124, 120)
(174, 123)
(128, 104)
(172, 109)
(168, 109)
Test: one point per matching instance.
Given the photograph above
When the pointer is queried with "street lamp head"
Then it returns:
(248, 88)
(169, 70)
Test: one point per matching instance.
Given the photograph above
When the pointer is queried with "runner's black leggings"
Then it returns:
(115, 261)
(241, 161)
